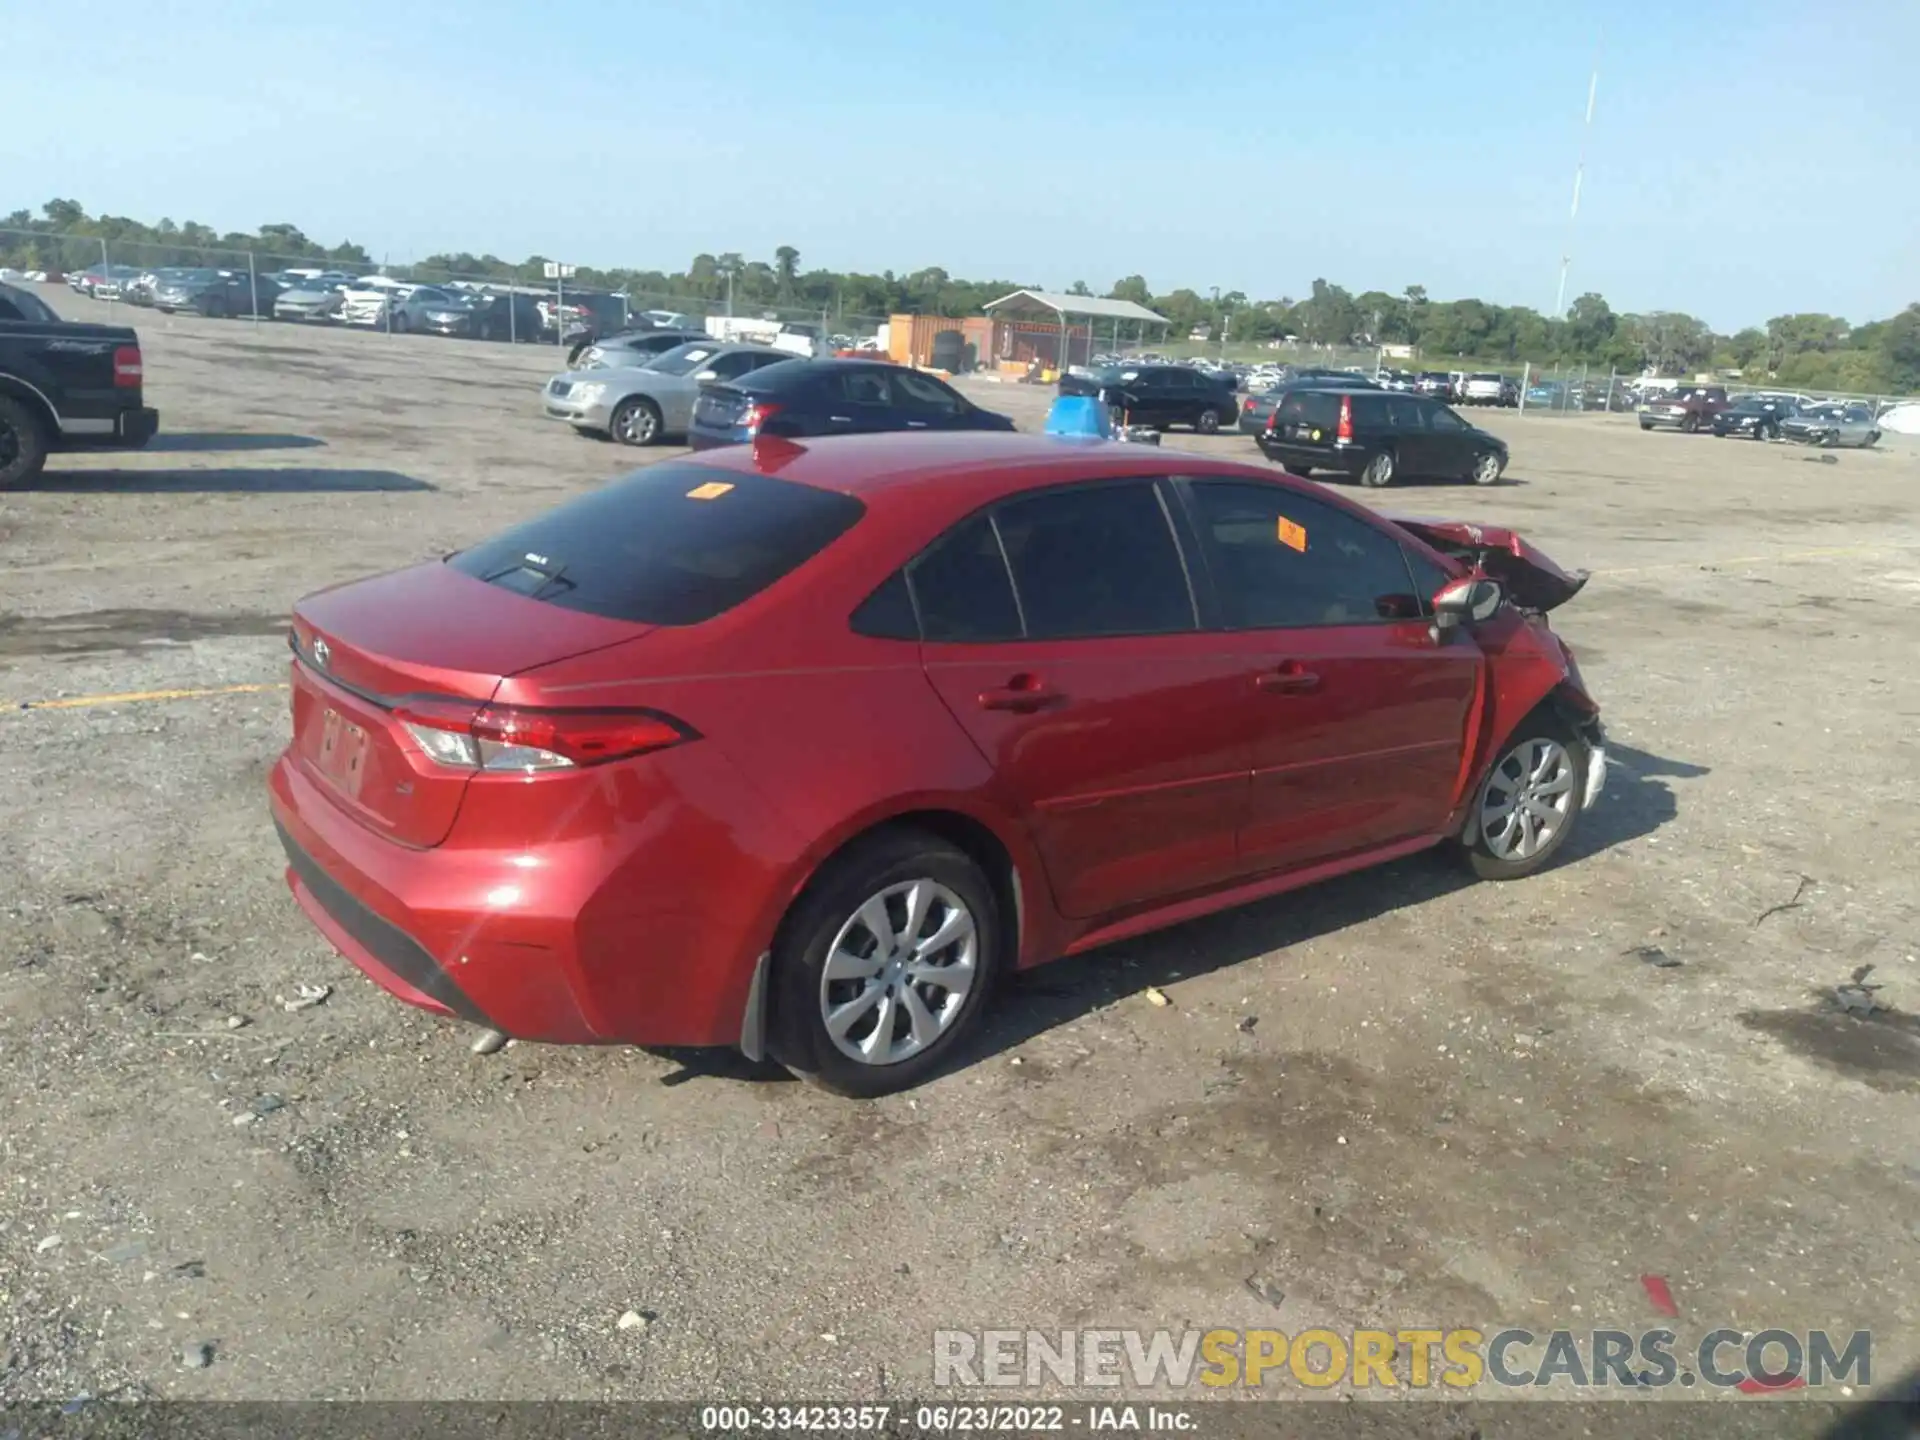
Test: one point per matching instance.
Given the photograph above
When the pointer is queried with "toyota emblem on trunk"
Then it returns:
(322, 653)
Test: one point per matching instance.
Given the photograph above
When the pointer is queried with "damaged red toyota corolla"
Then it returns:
(800, 747)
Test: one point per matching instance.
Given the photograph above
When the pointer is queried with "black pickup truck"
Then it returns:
(64, 387)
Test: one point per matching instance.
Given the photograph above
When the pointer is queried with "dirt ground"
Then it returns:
(1454, 1104)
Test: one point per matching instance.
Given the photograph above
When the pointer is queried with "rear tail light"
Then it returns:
(511, 738)
(127, 369)
(757, 413)
(1247, 408)
(1344, 430)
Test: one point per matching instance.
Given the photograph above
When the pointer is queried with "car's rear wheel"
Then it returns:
(636, 422)
(1379, 470)
(1529, 802)
(1646, 424)
(884, 965)
(1207, 422)
(1486, 469)
(23, 443)
(216, 307)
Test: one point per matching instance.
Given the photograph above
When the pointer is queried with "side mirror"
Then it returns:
(1462, 602)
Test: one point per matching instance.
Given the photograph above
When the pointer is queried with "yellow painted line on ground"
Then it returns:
(133, 697)
(1830, 553)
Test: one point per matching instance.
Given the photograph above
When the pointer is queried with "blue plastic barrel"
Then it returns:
(1080, 415)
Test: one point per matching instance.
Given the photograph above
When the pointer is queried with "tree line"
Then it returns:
(1812, 351)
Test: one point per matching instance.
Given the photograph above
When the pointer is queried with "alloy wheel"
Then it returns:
(636, 425)
(1527, 799)
(899, 971)
(1486, 469)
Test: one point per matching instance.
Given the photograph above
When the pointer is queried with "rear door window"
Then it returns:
(961, 589)
(1405, 413)
(673, 544)
(1369, 411)
(1281, 559)
(1096, 560)
(926, 396)
(869, 389)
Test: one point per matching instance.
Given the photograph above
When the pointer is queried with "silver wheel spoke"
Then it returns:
(879, 923)
(919, 901)
(843, 964)
(954, 926)
(925, 1029)
(1545, 758)
(956, 979)
(1499, 809)
(1542, 813)
(843, 1018)
(879, 1041)
(1561, 782)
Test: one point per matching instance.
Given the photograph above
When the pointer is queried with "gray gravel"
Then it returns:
(1459, 1104)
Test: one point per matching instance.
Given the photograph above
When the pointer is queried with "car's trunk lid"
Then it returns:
(365, 649)
(1530, 578)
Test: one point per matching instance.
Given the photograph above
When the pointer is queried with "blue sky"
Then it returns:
(1745, 160)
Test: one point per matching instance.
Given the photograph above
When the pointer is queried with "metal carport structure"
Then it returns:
(1062, 310)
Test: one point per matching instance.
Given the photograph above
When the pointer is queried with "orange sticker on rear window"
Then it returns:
(1292, 535)
(712, 490)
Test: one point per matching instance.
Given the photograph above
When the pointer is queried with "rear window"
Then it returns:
(1311, 407)
(673, 544)
(784, 378)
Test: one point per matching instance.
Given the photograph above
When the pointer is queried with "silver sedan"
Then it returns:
(1833, 425)
(640, 404)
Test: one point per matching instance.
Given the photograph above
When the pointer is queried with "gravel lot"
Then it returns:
(1459, 1104)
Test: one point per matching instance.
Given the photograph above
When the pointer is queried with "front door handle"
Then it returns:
(841, 419)
(1290, 677)
(1023, 695)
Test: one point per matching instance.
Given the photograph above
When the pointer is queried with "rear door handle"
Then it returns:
(841, 419)
(1023, 695)
(1290, 677)
(916, 424)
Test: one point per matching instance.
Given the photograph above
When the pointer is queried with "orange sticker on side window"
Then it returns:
(712, 490)
(1292, 535)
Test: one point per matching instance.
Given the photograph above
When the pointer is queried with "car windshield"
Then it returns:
(681, 360)
(673, 544)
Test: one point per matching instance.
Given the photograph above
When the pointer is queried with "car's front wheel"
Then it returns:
(1486, 469)
(884, 965)
(1529, 802)
(636, 421)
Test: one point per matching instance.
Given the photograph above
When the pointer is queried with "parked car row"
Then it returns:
(711, 393)
(1762, 415)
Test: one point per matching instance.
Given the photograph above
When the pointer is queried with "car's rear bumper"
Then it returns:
(1342, 460)
(125, 430)
(555, 942)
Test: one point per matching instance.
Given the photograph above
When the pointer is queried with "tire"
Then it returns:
(1689, 424)
(23, 443)
(1496, 851)
(889, 868)
(636, 421)
(399, 324)
(216, 307)
(1207, 422)
(1646, 425)
(1486, 469)
(1830, 440)
(1379, 471)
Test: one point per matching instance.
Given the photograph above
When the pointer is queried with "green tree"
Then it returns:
(786, 270)
(1134, 288)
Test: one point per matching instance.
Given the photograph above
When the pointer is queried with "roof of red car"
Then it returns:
(992, 462)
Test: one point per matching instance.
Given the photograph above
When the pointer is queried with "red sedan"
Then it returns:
(798, 747)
